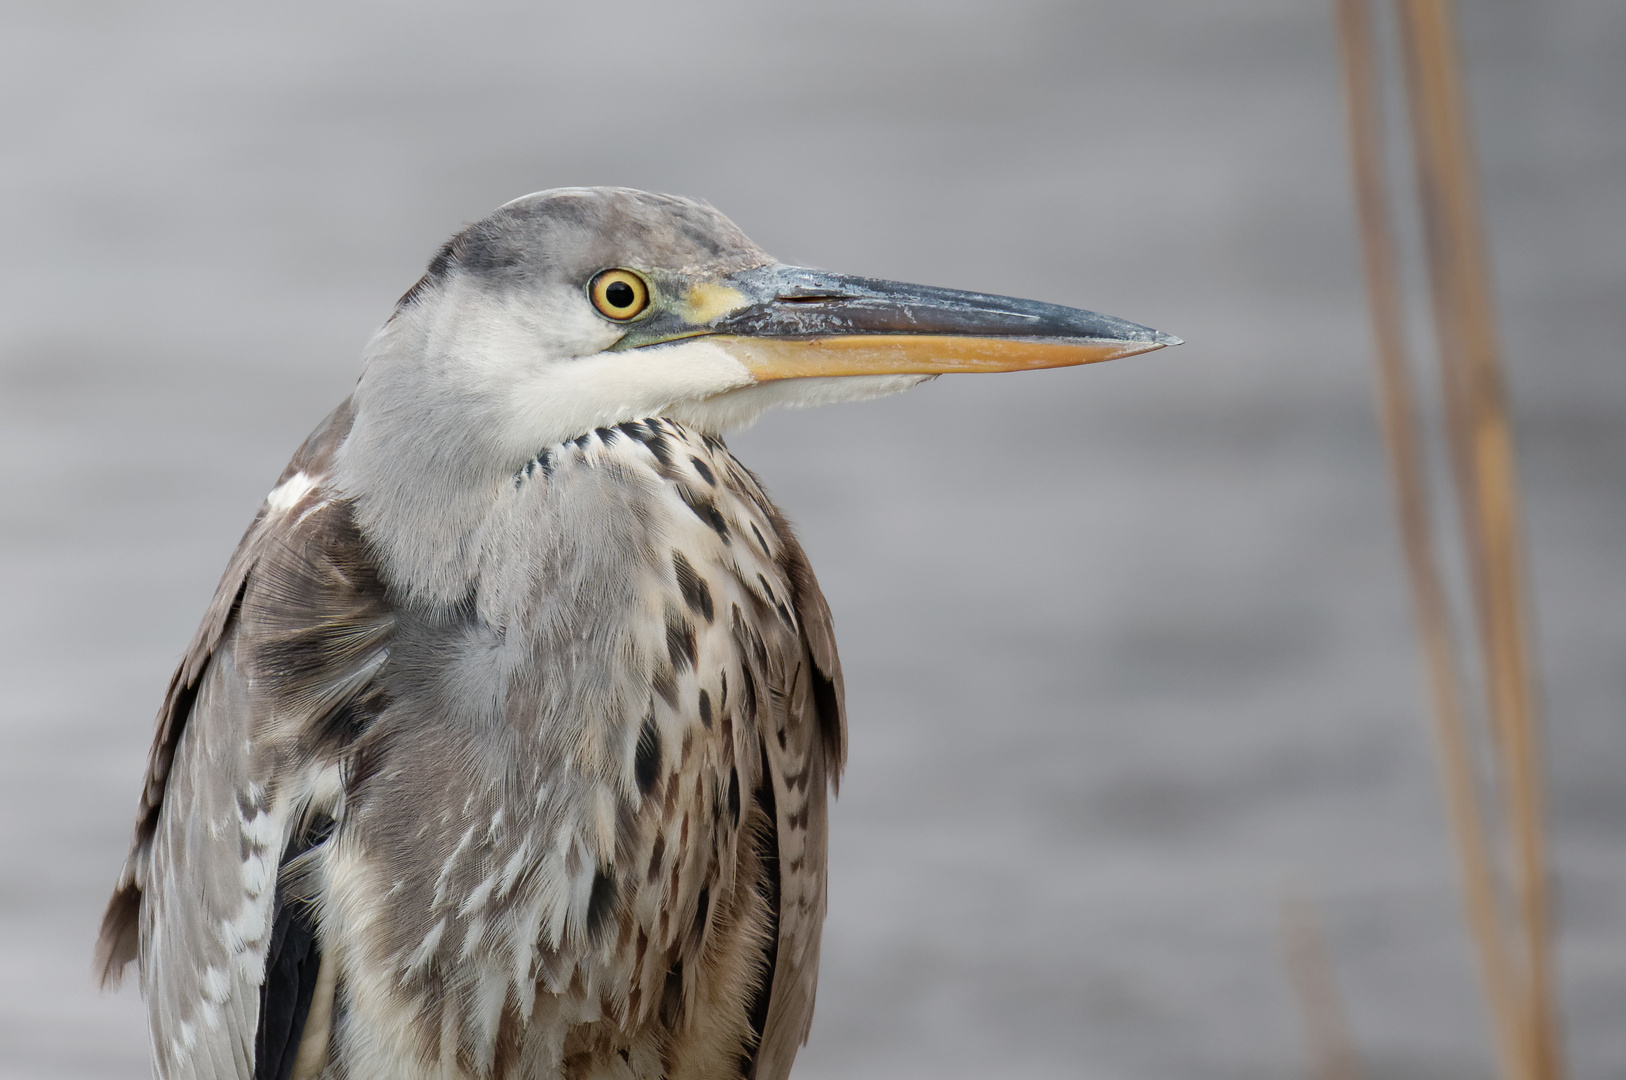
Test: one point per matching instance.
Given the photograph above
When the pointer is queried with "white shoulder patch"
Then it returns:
(286, 495)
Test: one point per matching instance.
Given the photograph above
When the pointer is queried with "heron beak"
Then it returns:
(787, 322)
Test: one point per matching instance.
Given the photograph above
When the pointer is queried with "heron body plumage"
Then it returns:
(561, 785)
(505, 745)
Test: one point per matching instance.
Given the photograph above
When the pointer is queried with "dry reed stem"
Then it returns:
(1487, 481)
(1309, 967)
(1397, 412)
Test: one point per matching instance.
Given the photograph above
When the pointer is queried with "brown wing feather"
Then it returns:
(119, 940)
(804, 741)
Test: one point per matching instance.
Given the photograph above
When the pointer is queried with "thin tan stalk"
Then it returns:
(1487, 481)
(1397, 412)
(1309, 967)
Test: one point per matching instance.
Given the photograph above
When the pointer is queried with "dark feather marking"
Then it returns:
(734, 797)
(657, 444)
(702, 909)
(285, 997)
(827, 704)
(669, 804)
(778, 604)
(236, 606)
(350, 721)
(706, 511)
(361, 767)
(601, 901)
(765, 837)
(443, 258)
(705, 472)
(671, 1010)
(761, 543)
(655, 857)
(664, 681)
(183, 695)
(646, 765)
(696, 593)
(680, 641)
(825, 682)
(705, 710)
(543, 461)
(761, 610)
(291, 965)
(749, 708)
(248, 805)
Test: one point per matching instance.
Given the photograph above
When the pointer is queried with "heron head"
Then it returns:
(578, 308)
(581, 308)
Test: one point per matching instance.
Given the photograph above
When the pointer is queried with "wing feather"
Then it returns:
(804, 746)
(230, 774)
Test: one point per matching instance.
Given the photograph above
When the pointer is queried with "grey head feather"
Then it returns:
(571, 233)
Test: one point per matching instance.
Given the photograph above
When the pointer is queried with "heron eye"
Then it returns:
(619, 294)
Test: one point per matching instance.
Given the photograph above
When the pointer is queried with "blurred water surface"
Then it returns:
(1127, 648)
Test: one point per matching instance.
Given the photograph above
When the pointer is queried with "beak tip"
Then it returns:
(1167, 339)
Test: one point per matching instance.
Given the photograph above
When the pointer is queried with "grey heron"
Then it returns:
(504, 747)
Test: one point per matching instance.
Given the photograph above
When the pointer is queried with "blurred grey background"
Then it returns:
(1128, 650)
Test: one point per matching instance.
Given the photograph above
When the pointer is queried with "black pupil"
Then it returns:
(619, 294)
